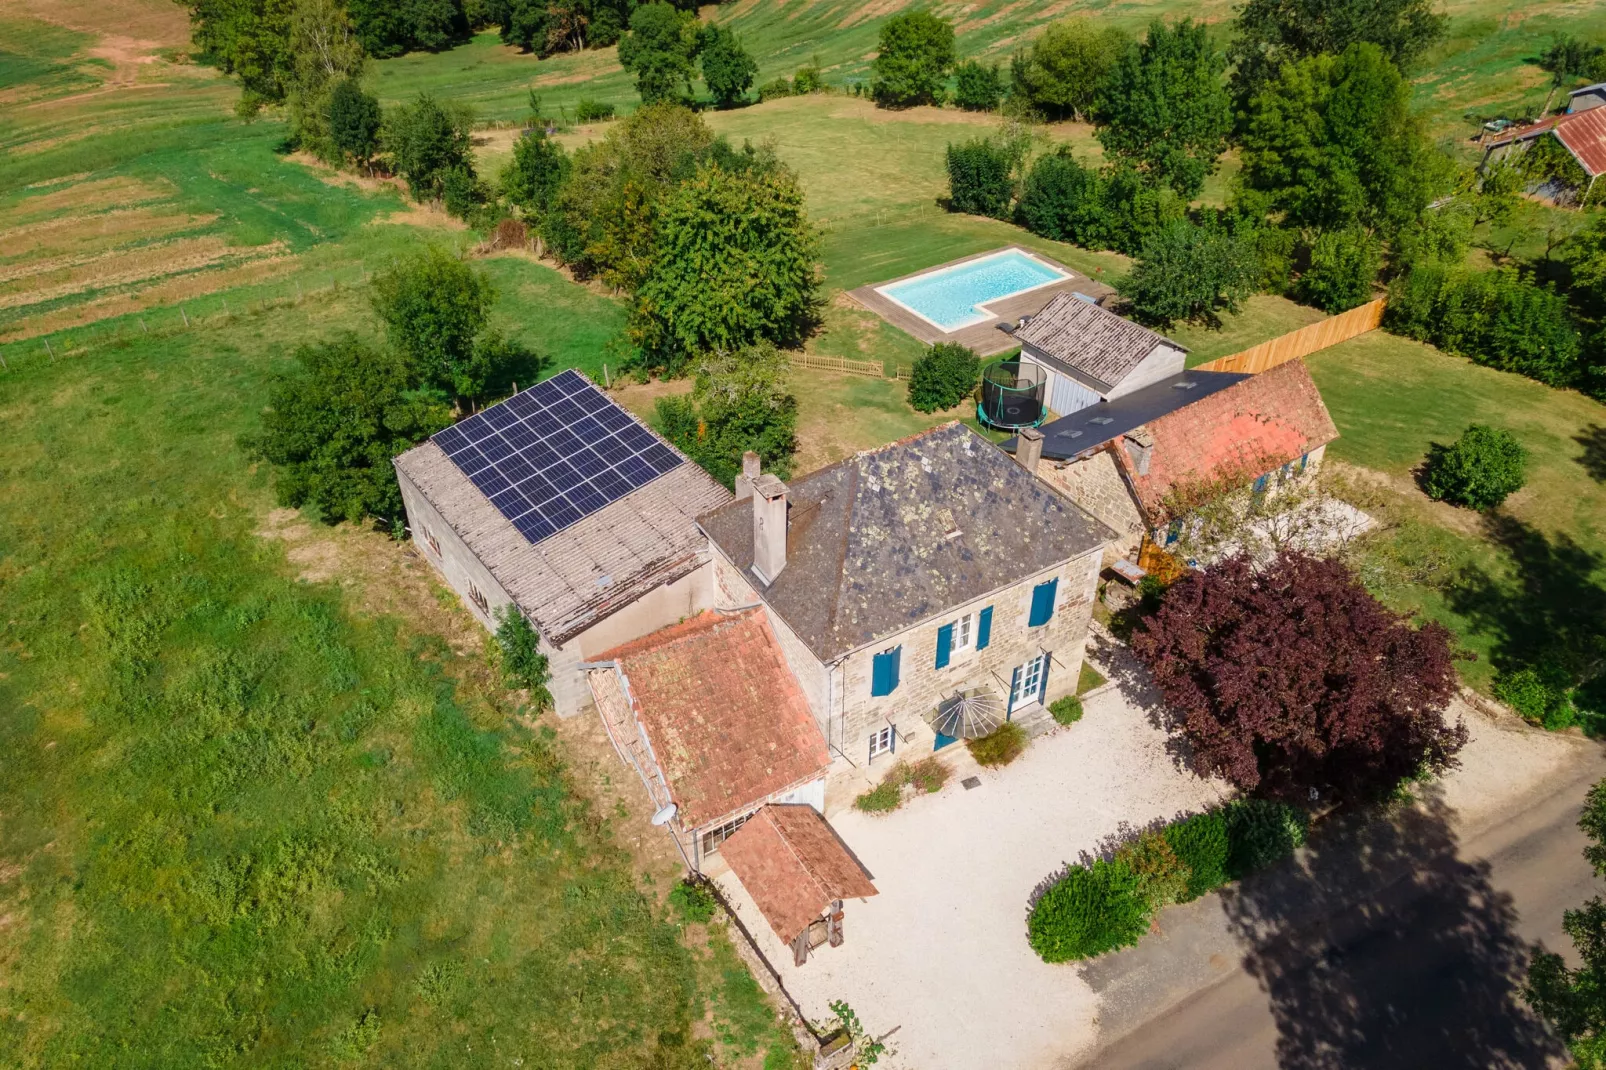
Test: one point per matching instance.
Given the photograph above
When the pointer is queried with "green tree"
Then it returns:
(728, 69)
(741, 401)
(1272, 33)
(249, 39)
(1566, 60)
(1332, 143)
(354, 121)
(1574, 1000)
(389, 29)
(435, 308)
(981, 178)
(1062, 71)
(944, 376)
(1064, 201)
(325, 52)
(734, 264)
(426, 141)
(912, 62)
(1164, 108)
(523, 664)
(659, 50)
(1481, 469)
(1343, 266)
(535, 174)
(977, 86)
(334, 423)
(1189, 272)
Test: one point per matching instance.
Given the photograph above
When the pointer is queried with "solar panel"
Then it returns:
(554, 454)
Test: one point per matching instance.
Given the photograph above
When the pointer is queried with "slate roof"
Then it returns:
(1582, 132)
(794, 866)
(1089, 339)
(1260, 423)
(891, 536)
(570, 580)
(1088, 429)
(725, 718)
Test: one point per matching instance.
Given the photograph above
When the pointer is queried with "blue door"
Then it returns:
(943, 741)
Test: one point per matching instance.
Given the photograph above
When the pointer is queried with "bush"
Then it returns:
(1062, 200)
(1162, 877)
(592, 111)
(1188, 272)
(1542, 694)
(884, 798)
(928, 775)
(1000, 746)
(1090, 910)
(1201, 843)
(778, 87)
(980, 178)
(809, 79)
(978, 87)
(1067, 710)
(1343, 266)
(1259, 832)
(1479, 470)
(944, 377)
(523, 664)
(693, 901)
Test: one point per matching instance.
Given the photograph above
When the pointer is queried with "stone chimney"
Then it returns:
(750, 471)
(769, 527)
(1139, 445)
(1029, 448)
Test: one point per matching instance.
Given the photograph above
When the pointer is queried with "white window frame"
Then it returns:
(964, 633)
(1029, 670)
(883, 740)
(720, 833)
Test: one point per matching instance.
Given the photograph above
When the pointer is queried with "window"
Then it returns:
(1304, 462)
(716, 836)
(883, 741)
(1042, 602)
(964, 631)
(478, 599)
(1260, 484)
(432, 542)
(957, 635)
(1030, 681)
(884, 672)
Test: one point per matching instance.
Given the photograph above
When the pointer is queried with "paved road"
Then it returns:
(1399, 948)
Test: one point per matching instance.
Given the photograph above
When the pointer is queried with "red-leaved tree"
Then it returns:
(1292, 677)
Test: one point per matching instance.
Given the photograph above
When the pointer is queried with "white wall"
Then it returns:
(1165, 360)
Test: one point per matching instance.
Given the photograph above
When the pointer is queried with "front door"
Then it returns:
(943, 741)
(1030, 682)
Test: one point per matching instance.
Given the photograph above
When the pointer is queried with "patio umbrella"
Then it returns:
(969, 714)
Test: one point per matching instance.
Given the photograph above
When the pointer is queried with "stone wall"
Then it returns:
(1096, 484)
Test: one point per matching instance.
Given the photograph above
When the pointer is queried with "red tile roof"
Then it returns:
(1250, 428)
(794, 865)
(726, 720)
(1583, 132)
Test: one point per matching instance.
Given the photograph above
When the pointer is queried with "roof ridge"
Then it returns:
(798, 857)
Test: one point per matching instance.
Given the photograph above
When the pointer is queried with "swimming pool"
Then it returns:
(951, 298)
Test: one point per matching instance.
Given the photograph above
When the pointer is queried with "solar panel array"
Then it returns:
(554, 454)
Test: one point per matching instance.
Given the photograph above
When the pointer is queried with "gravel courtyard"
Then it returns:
(940, 954)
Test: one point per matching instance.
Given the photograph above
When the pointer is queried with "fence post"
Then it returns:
(181, 312)
(52, 352)
(3, 363)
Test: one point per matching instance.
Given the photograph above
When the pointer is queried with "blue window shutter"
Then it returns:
(1260, 484)
(1042, 602)
(984, 628)
(1304, 460)
(945, 644)
(1042, 688)
(896, 654)
(884, 672)
(1014, 685)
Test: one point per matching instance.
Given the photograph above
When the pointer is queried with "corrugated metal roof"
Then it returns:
(1582, 132)
(1089, 339)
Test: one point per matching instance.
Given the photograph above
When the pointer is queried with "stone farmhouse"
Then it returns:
(1090, 354)
(1122, 459)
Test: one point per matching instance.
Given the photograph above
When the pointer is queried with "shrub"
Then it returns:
(928, 775)
(1000, 746)
(1201, 843)
(778, 87)
(1542, 694)
(1481, 469)
(884, 798)
(978, 87)
(1063, 200)
(1067, 710)
(693, 900)
(1343, 266)
(1090, 910)
(1162, 877)
(523, 664)
(808, 79)
(1259, 832)
(944, 377)
(980, 178)
(593, 111)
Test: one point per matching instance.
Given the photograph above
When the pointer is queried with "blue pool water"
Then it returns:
(948, 298)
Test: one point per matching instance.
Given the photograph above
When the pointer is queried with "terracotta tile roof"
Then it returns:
(892, 536)
(1261, 422)
(793, 864)
(1089, 339)
(724, 716)
(569, 581)
(1582, 132)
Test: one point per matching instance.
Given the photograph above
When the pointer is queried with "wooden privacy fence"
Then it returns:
(1303, 342)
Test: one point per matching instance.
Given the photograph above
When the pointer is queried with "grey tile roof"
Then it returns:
(892, 536)
(570, 580)
(1089, 339)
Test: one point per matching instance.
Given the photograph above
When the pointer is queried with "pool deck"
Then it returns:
(985, 338)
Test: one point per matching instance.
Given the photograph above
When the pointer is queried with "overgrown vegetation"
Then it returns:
(739, 402)
(523, 664)
(925, 777)
(1572, 999)
(1000, 746)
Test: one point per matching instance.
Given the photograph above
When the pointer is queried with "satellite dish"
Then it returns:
(664, 816)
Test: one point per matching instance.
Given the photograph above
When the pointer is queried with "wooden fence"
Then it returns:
(820, 362)
(1303, 342)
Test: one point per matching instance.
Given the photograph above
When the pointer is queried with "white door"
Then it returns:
(1028, 682)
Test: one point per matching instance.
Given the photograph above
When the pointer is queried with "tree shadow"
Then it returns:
(1131, 677)
(1380, 948)
(1593, 439)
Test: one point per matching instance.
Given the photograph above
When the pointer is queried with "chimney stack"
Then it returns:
(769, 527)
(750, 472)
(1029, 448)
(1139, 447)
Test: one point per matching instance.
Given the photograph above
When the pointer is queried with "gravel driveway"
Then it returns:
(940, 955)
